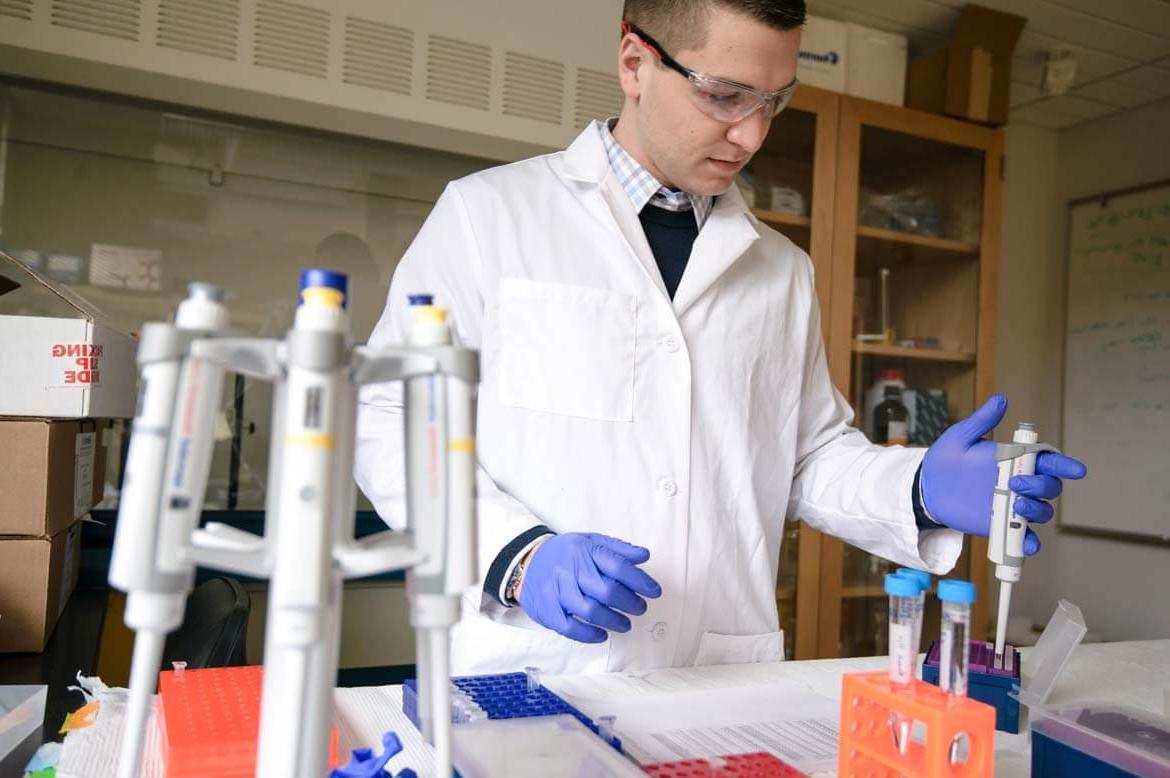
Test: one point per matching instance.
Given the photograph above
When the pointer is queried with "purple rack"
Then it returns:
(986, 681)
(981, 659)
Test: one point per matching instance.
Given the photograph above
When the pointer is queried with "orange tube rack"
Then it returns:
(211, 722)
(870, 702)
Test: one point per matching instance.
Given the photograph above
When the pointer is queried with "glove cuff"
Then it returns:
(505, 561)
(922, 516)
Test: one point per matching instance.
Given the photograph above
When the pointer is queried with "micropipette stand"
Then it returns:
(1005, 542)
(308, 548)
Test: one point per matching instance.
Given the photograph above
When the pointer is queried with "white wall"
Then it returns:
(1121, 587)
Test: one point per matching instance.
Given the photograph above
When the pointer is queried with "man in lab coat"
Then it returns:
(654, 395)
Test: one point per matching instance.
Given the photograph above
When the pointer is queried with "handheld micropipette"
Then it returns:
(1005, 543)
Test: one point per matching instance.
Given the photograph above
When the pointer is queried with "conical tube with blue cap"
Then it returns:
(954, 649)
(923, 580)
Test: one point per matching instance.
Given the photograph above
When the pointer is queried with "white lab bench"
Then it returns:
(1133, 673)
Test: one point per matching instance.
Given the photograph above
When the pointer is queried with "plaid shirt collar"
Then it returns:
(643, 188)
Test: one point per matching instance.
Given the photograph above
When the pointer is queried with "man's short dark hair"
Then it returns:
(681, 25)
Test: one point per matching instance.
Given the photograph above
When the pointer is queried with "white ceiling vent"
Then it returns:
(17, 9)
(292, 37)
(378, 56)
(450, 75)
(208, 27)
(113, 18)
(599, 96)
(534, 88)
(459, 72)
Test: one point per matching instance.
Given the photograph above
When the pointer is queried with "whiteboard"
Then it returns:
(1117, 364)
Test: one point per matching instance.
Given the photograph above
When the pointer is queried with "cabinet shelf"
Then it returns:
(906, 352)
(911, 239)
(780, 217)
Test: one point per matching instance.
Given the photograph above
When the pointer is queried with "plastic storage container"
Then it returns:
(534, 748)
(22, 712)
(1047, 659)
(1102, 741)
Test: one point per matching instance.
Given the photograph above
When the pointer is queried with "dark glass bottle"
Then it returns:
(891, 419)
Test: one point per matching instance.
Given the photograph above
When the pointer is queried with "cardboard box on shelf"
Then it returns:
(971, 78)
(37, 575)
(876, 67)
(823, 55)
(51, 473)
(71, 365)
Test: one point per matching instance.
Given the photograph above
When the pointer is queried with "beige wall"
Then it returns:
(76, 171)
(1121, 587)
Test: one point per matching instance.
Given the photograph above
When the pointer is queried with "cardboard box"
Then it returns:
(73, 365)
(971, 78)
(824, 47)
(51, 473)
(37, 575)
(876, 66)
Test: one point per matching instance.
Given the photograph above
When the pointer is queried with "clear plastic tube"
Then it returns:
(904, 612)
(954, 646)
(953, 651)
(903, 594)
(923, 580)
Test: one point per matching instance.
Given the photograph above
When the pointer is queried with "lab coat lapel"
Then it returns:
(586, 161)
(632, 230)
(730, 231)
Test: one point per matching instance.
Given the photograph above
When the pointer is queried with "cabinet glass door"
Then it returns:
(913, 272)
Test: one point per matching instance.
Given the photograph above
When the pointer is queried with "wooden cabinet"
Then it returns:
(918, 196)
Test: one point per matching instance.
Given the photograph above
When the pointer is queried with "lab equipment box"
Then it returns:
(824, 55)
(971, 78)
(37, 575)
(986, 681)
(876, 65)
(1099, 740)
(51, 473)
(59, 357)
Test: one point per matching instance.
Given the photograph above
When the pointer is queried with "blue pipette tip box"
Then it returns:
(506, 696)
(986, 681)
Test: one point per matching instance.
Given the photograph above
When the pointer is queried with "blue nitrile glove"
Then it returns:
(577, 580)
(959, 471)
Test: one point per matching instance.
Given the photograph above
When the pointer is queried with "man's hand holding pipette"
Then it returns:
(981, 487)
(959, 473)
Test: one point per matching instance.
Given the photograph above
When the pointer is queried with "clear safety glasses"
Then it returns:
(725, 101)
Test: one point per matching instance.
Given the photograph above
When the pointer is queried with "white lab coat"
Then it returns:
(689, 427)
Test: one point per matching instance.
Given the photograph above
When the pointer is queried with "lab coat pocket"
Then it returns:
(567, 349)
(716, 649)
